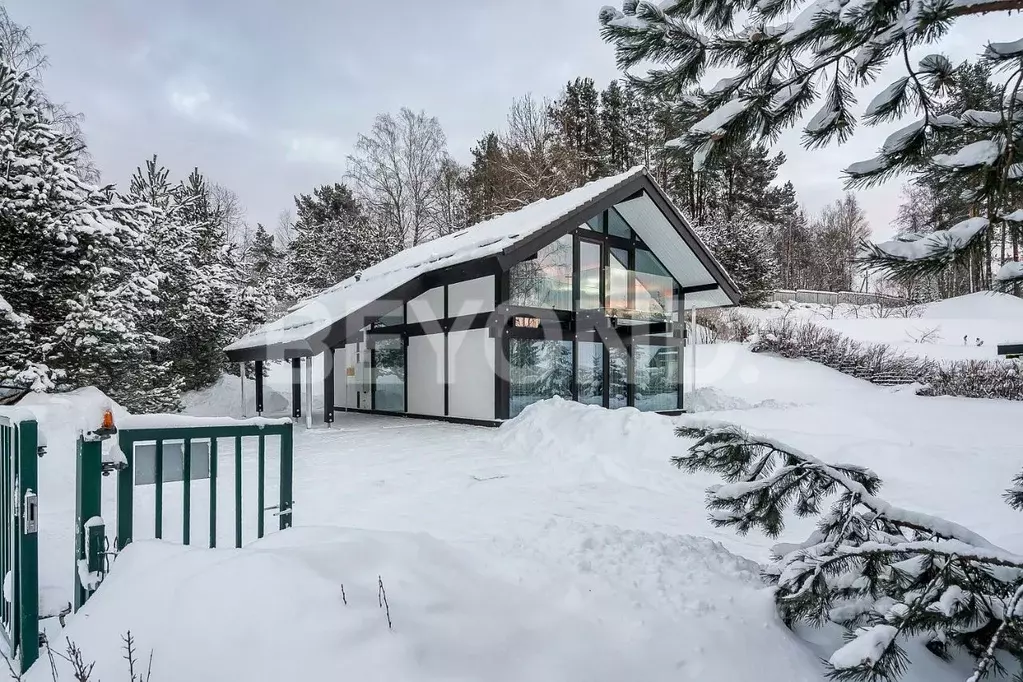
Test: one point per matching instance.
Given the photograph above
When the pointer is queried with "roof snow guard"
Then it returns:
(338, 315)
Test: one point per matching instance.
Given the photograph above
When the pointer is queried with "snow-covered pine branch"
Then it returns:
(779, 69)
(883, 572)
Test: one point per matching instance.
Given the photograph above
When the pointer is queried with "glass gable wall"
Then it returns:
(602, 266)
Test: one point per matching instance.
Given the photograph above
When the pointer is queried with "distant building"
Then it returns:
(580, 296)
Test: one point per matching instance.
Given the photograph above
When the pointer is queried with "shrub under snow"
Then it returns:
(881, 363)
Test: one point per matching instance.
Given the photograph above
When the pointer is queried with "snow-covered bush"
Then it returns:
(792, 339)
(730, 324)
(884, 573)
(975, 379)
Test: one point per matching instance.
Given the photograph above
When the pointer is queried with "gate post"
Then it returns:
(88, 544)
(27, 570)
(287, 470)
(126, 491)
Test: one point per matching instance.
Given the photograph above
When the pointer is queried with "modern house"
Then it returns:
(580, 296)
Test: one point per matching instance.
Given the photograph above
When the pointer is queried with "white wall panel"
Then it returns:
(425, 374)
(340, 380)
(471, 296)
(429, 305)
(471, 374)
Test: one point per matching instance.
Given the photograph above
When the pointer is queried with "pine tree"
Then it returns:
(884, 573)
(481, 182)
(578, 132)
(779, 68)
(199, 288)
(77, 285)
(744, 250)
(616, 151)
(334, 239)
(264, 292)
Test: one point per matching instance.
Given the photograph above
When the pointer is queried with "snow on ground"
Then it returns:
(224, 398)
(562, 546)
(992, 317)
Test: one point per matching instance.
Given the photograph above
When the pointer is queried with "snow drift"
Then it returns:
(306, 605)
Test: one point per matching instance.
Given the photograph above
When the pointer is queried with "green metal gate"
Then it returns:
(92, 546)
(19, 537)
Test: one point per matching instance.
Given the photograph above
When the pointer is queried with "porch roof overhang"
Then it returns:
(339, 314)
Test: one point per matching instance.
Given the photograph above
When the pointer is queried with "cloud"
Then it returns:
(193, 101)
(315, 148)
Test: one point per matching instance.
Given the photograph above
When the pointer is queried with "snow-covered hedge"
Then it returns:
(880, 363)
(975, 379)
(874, 362)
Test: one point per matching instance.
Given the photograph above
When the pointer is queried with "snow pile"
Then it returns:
(62, 416)
(314, 594)
(224, 399)
(559, 432)
(981, 305)
(712, 399)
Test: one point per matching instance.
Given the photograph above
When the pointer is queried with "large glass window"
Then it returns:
(616, 225)
(618, 378)
(656, 377)
(655, 297)
(596, 223)
(389, 375)
(589, 275)
(544, 281)
(618, 281)
(538, 369)
(590, 378)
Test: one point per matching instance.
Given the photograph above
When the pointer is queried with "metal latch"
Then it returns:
(31, 513)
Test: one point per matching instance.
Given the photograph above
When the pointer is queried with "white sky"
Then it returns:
(267, 97)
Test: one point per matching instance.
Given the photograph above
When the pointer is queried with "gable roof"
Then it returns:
(323, 320)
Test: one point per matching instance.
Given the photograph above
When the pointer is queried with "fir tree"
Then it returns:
(78, 287)
(779, 68)
(482, 181)
(577, 118)
(198, 290)
(743, 249)
(616, 152)
(882, 572)
(264, 291)
(334, 239)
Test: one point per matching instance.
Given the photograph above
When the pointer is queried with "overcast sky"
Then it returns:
(267, 97)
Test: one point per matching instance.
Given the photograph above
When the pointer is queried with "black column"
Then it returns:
(296, 388)
(259, 387)
(502, 388)
(680, 335)
(328, 386)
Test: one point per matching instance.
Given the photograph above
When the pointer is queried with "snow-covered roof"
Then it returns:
(313, 318)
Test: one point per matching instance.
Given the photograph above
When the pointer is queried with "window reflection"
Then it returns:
(655, 297)
(618, 378)
(589, 275)
(544, 281)
(656, 377)
(389, 375)
(538, 369)
(618, 281)
(590, 378)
